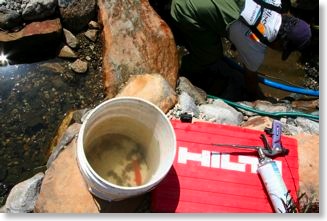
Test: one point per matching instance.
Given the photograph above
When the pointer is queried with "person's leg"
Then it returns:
(205, 48)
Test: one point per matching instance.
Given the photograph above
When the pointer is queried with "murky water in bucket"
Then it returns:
(119, 160)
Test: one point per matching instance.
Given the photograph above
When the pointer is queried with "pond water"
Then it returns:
(34, 99)
(288, 72)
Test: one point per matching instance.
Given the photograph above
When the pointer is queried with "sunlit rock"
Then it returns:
(136, 41)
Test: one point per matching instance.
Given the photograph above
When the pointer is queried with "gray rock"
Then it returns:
(184, 85)
(271, 108)
(308, 126)
(39, 9)
(23, 196)
(291, 130)
(222, 113)
(76, 14)
(9, 18)
(187, 104)
(71, 40)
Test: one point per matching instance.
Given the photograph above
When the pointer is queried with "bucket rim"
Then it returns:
(80, 150)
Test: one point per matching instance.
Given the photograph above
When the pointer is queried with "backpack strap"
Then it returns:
(269, 6)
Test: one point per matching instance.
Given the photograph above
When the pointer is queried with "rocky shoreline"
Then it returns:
(98, 60)
(193, 101)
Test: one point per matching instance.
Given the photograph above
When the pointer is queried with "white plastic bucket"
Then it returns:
(138, 120)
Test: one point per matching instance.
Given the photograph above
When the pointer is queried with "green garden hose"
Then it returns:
(274, 114)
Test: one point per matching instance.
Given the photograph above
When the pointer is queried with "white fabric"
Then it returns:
(270, 20)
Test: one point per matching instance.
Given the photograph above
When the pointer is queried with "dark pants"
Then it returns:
(205, 48)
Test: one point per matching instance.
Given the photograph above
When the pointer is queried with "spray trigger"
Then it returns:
(275, 132)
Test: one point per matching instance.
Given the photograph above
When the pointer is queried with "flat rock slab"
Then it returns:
(308, 147)
(36, 39)
(64, 190)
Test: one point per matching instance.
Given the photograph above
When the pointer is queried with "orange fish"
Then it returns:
(137, 172)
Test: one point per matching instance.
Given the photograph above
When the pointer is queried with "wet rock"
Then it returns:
(9, 19)
(23, 196)
(79, 66)
(71, 40)
(136, 41)
(308, 151)
(151, 87)
(67, 52)
(37, 40)
(184, 85)
(66, 122)
(187, 104)
(222, 113)
(39, 9)
(91, 34)
(55, 67)
(64, 136)
(76, 14)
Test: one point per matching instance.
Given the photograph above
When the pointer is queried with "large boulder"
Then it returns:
(136, 41)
